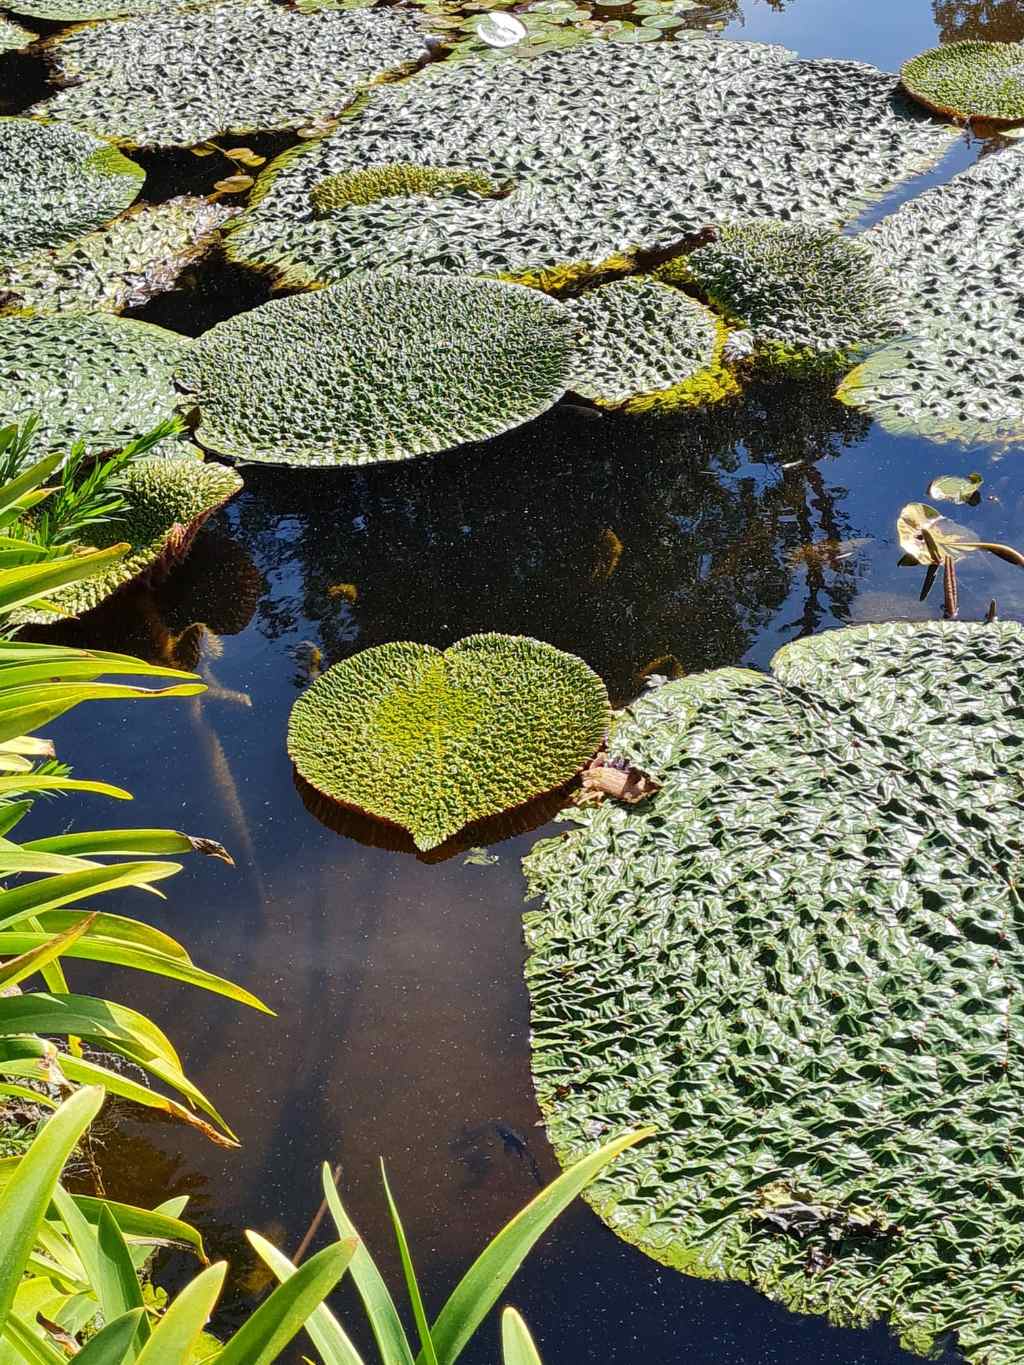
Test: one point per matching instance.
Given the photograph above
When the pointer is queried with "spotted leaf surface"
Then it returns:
(57, 183)
(92, 377)
(381, 369)
(180, 78)
(431, 741)
(800, 961)
(603, 148)
(969, 80)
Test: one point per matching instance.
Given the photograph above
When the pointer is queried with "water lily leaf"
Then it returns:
(640, 169)
(927, 537)
(141, 254)
(92, 377)
(645, 344)
(476, 358)
(954, 488)
(969, 80)
(800, 961)
(432, 741)
(168, 500)
(234, 184)
(958, 251)
(800, 290)
(57, 183)
(178, 78)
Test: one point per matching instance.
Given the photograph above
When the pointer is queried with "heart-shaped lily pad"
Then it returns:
(431, 741)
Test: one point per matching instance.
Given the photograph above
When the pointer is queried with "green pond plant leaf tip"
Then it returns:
(432, 741)
(801, 960)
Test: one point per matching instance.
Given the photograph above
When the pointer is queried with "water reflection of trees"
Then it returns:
(982, 20)
(628, 542)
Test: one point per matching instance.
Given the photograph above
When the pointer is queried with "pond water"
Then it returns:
(402, 1025)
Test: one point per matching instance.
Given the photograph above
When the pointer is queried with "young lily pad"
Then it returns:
(800, 961)
(57, 183)
(432, 741)
(141, 254)
(168, 499)
(90, 377)
(645, 344)
(954, 488)
(958, 251)
(603, 149)
(179, 78)
(379, 369)
(969, 81)
(13, 36)
(801, 290)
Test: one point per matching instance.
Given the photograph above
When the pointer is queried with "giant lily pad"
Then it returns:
(801, 290)
(90, 377)
(379, 369)
(959, 253)
(969, 81)
(800, 961)
(168, 498)
(68, 11)
(645, 344)
(141, 254)
(603, 148)
(57, 183)
(181, 78)
(431, 741)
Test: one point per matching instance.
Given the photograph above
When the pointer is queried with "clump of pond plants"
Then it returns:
(807, 939)
(433, 740)
(969, 80)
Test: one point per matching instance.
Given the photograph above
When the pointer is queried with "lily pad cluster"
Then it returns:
(141, 254)
(431, 740)
(803, 291)
(959, 252)
(378, 369)
(89, 377)
(57, 183)
(969, 80)
(644, 344)
(179, 78)
(604, 148)
(168, 498)
(800, 962)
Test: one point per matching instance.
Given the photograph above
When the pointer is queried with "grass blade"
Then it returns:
(385, 1323)
(325, 1331)
(27, 1196)
(427, 1352)
(265, 1335)
(517, 1346)
(488, 1276)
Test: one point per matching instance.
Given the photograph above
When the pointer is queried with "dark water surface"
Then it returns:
(402, 1025)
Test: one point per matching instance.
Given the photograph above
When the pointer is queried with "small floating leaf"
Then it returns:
(234, 184)
(953, 488)
(499, 30)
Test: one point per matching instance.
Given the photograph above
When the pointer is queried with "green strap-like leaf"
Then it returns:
(325, 1331)
(31, 1349)
(16, 786)
(380, 1308)
(51, 892)
(20, 586)
(29, 479)
(117, 842)
(488, 1276)
(517, 1346)
(27, 1196)
(269, 1330)
(118, 1285)
(33, 959)
(411, 1282)
(175, 1335)
(114, 1345)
